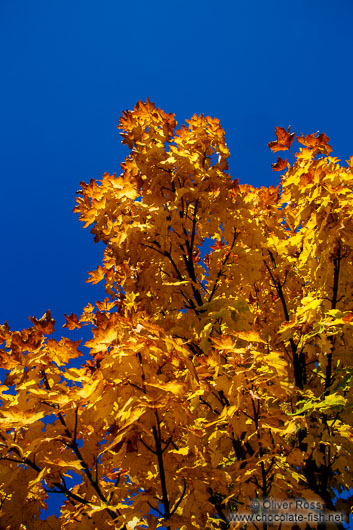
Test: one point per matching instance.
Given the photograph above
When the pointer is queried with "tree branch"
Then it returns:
(159, 453)
(224, 262)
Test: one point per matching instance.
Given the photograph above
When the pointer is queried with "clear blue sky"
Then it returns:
(68, 70)
(70, 67)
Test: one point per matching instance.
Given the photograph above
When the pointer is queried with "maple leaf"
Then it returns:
(106, 305)
(71, 322)
(96, 276)
(280, 164)
(284, 140)
(312, 140)
(318, 143)
(209, 379)
(62, 351)
(45, 324)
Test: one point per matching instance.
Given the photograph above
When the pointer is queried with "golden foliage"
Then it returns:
(220, 364)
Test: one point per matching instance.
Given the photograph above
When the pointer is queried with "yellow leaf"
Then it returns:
(182, 451)
(249, 336)
(175, 388)
(73, 464)
(175, 284)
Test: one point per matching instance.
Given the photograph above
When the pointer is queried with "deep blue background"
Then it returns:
(70, 67)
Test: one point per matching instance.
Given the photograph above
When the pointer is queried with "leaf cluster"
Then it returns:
(220, 364)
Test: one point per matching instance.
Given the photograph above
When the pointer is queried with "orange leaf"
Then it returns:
(44, 324)
(311, 140)
(62, 351)
(71, 322)
(280, 164)
(348, 318)
(106, 305)
(284, 140)
(96, 276)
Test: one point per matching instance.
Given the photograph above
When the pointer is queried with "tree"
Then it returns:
(220, 366)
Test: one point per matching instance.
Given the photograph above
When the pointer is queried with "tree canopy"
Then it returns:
(220, 364)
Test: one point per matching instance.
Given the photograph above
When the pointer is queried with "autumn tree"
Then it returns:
(220, 365)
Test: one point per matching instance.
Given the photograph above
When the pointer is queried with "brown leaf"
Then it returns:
(44, 324)
(280, 164)
(284, 140)
(71, 322)
(311, 140)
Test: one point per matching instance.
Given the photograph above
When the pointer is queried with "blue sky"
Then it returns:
(69, 68)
